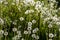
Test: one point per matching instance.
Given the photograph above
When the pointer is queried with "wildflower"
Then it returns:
(21, 18)
(55, 18)
(14, 29)
(29, 2)
(35, 30)
(14, 23)
(29, 28)
(29, 11)
(29, 32)
(33, 21)
(29, 23)
(57, 23)
(33, 35)
(32, 3)
(50, 25)
(37, 7)
(37, 37)
(25, 32)
(5, 33)
(19, 32)
(51, 35)
(1, 21)
(18, 36)
(1, 32)
(38, 2)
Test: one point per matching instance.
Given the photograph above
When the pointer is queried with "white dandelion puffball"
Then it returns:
(37, 7)
(29, 23)
(37, 37)
(25, 32)
(28, 2)
(38, 2)
(1, 21)
(1, 32)
(33, 35)
(31, 11)
(27, 12)
(29, 28)
(21, 18)
(19, 35)
(14, 29)
(50, 26)
(19, 32)
(35, 30)
(5, 33)
(14, 23)
(33, 21)
(32, 3)
(29, 32)
(51, 35)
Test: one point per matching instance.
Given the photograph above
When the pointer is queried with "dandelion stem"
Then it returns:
(5, 37)
(14, 33)
(39, 22)
(0, 38)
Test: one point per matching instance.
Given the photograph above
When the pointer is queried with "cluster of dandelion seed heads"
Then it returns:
(27, 19)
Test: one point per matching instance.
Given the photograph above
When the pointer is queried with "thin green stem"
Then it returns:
(5, 38)
(39, 22)
(14, 33)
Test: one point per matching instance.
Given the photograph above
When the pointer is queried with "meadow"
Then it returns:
(29, 20)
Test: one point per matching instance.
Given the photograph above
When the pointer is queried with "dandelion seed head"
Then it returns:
(35, 30)
(5, 33)
(1, 21)
(29, 28)
(14, 29)
(29, 23)
(1, 32)
(33, 21)
(51, 35)
(21, 19)
(25, 32)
